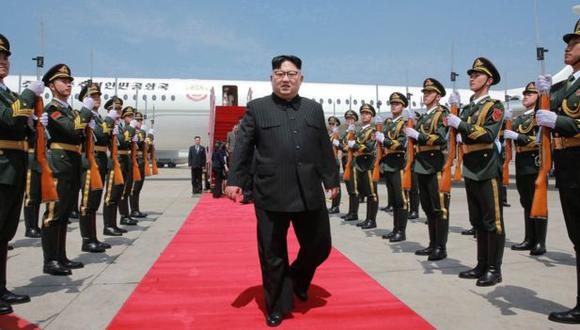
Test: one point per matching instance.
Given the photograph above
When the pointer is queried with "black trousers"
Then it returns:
(570, 201)
(196, 179)
(484, 205)
(414, 198)
(218, 174)
(312, 229)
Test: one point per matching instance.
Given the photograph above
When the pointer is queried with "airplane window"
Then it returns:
(134, 97)
(354, 102)
(162, 97)
(347, 102)
(106, 96)
(172, 97)
(337, 101)
(144, 97)
(372, 102)
(362, 101)
(329, 101)
(414, 103)
(154, 97)
(321, 101)
(125, 97)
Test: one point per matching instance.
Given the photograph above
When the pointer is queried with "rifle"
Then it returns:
(145, 160)
(452, 146)
(347, 170)
(508, 148)
(154, 168)
(96, 180)
(376, 168)
(407, 174)
(117, 173)
(136, 172)
(457, 177)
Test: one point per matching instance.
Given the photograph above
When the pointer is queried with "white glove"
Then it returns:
(89, 103)
(44, 119)
(37, 87)
(453, 120)
(133, 123)
(379, 136)
(454, 98)
(113, 114)
(92, 124)
(411, 133)
(335, 129)
(350, 128)
(458, 138)
(116, 130)
(144, 127)
(151, 131)
(509, 134)
(546, 118)
(335, 143)
(544, 83)
(351, 143)
(135, 138)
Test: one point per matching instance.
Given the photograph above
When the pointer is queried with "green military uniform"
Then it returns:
(15, 112)
(429, 161)
(527, 153)
(91, 199)
(113, 192)
(353, 203)
(481, 121)
(125, 138)
(66, 128)
(364, 149)
(143, 145)
(334, 134)
(565, 101)
(394, 165)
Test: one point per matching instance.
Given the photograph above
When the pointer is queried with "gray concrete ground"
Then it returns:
(532, 286)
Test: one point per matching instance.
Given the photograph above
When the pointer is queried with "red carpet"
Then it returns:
(14, 322)
(208, 277)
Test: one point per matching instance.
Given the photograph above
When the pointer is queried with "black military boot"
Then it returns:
(62, 258)
(429, 249)
(50, 235)
(124, 212)
(89, 238)
(529, 235)
(355, 203)
(571, 316)
(135, 208)
(492, 274)
(74, 214)
(478, 271)
(109, 229)
(31, 222)
(94, 231)
(541, 228)
(441, 230)
(395, 227)
(372, 208)
(5, 295)
(469, 232)
(400, 234)
(334, 208)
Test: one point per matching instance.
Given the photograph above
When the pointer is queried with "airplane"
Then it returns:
(179, 109)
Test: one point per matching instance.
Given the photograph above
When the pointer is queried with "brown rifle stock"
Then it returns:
(117, 174)
(377, 164)
(457, 176)
(508, 156)
(540, 203)
(145, 159)
(154, 169)
(452, 145)
(346, 176)
(47, 186)
(408, 173)
(96, 182)
(136, 172)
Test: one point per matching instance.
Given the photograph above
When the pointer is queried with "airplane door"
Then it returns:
(230, 95)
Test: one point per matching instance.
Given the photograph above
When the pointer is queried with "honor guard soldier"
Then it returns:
(430, 135)
(363, 147)
(563, 118)
(113, 188)
(394, 140)
(65, 127)
(524, 134)
(127, 136)
(479, 125)
(142, 143)
(350, 118)
(15, 122)
(90, 96)
(333, 125)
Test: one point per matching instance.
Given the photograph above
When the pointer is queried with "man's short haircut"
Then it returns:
(278, 60)
(197, 137)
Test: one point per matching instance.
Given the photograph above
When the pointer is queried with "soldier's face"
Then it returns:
(62, 87)
(286, 80)
(4, 65)
(397, 108)
(478, 80)
(97, 99)
(366, 117)
(430, 97)
(128, 119)
(572, 53)
(349, 121)
(529, 100)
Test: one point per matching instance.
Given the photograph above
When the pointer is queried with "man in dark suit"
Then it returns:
(196, 161)
(285, 135)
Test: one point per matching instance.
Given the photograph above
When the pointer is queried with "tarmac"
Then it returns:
(531, 288)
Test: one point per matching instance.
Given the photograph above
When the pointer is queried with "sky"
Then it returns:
(395, 42)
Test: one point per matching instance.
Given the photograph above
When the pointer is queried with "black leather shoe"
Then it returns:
(104, 245)
(301, 295)
(54, 267)
(523, 246)
(333, 210)
(399, 236)
(571, 317)
(110, 231)
(138, 214)
(274, 319)
(74, 215)
(370, 225)
(492, 276)
(469, 232)
(128, 221)
(351, 217)
(10, 247)
(424, 252)
(360, 224)
(72, 264)
(121, 230)
(387, 208)
(92, 247)
(538, 250)
(12, 298)
(473, 273)
(32, 233)
(413, 215)
(438, 253)
(5, 308)
(389, 235)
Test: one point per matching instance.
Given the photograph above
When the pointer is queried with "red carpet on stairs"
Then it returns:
(209, 277)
